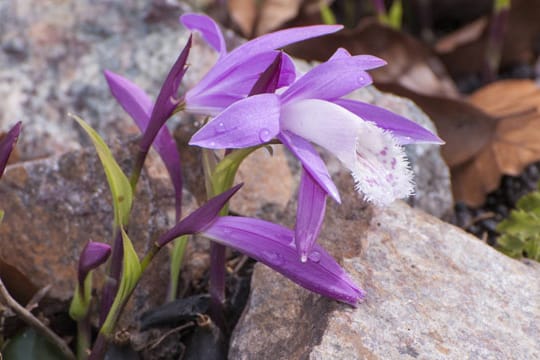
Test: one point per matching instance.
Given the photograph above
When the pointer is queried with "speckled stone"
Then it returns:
(433, 292)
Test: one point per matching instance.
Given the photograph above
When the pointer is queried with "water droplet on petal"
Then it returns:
(315, 256)
(221, 127)
(212, 144)
(264, 135)
(303, 258)
(361, 79)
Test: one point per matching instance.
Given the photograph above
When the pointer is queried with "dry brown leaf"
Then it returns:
(465, 35)
(514, 145)
(521, 35)
(255, 17)
(410, 63)
(465, 129)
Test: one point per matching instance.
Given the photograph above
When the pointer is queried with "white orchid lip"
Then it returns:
(374, 157)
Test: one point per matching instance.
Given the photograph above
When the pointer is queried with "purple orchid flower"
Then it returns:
(365, 138)
(93, 255)
(271, 244)
(235, 73)
(7, 144)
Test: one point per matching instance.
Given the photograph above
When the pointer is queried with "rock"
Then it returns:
(54, 206)
(433, 292)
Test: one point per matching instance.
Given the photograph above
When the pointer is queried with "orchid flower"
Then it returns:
(234, 74)
(365, 138)
(271, 244)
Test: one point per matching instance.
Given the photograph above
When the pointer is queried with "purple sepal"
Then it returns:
(7, 144)
(403, 129)
(208, 28)
(200, 218)
(93, 255)
(139, 106)
(273, 245)
(309, 214)
(167, 100)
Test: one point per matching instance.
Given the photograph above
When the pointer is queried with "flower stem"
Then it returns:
(84, 337)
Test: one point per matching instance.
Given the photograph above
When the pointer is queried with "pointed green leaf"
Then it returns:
(118, 182)
(177, 259)
(1, 216)
(395, 14)
(131, 273)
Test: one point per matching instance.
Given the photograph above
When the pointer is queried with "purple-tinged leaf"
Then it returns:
(131, 97)
(93, 255)
(139, 106)
(208, 28)
(200, 218)
(333, 79)
(403, 129)
(248, 122)
(311, 161)
(309, 214)
(273, 245)
(167, 100)
(7, 144)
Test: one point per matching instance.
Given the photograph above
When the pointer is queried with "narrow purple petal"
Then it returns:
(131, 97)
(403, 129)
(139, 106)
(93, 255)
(248, 122)
(208, 28)
(309, 214)
(200, 218)
(7, 144)
(273, 245)
(277, 40)
(167, 100)
(311, 161)
(333, 79)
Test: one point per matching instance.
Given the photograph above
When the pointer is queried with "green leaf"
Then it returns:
(131, 273)
(395, 15)
(1, 216)
(326, 14)
(177, 258)
(118, 182)
(30, 345)
(81, 299)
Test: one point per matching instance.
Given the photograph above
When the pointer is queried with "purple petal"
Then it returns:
(340, 53)
(7, 144)
(277, 40)
(131, 97)
(311, 161)
(405, 130)
(248, 122)
(208, 28)
(93, 255)
(273, 245)
(333, 79)
(200, 218)
(309, 214)
(139, 106)
(222, 87)
(167, 100)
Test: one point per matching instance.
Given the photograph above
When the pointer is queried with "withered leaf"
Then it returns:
(465, 129)
(410, 63)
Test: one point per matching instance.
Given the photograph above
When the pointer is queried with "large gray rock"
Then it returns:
(433, 292)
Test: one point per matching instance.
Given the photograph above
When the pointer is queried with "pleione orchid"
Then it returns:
(366, 139)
